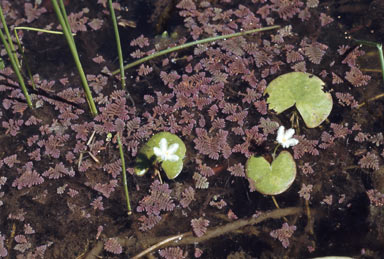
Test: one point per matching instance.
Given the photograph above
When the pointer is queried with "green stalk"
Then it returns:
(62, 17)
(124, 174)
(13, 59)
(9, 36)
(380, 48)
(118, 44)
(190, 44)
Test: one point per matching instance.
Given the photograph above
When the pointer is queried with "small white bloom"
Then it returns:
(285, 137)
(166, 153)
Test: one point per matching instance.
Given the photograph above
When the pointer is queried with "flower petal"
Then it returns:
(173, 148)
(163, 145)
(172, 158)
(280, 134)
(289, 133)
(292, 142)
(157, 151)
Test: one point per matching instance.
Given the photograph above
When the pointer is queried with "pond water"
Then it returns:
(61, 183)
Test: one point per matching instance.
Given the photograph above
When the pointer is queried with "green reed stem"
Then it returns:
(13, 58)
(118, 44)
(124, 174)
(379, 47)
(62, 17)
(190, 44)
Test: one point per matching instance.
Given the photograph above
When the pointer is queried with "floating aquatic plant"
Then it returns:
(164, 149)
(303, 90)
(274, 178)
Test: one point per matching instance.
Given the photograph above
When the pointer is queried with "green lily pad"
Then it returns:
(304, 90)
(272, 179)
(146, 157)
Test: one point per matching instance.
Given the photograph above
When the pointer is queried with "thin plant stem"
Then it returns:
(35, 29)
(190, 44)
(379, 47)
(118, 44)
(124, 174)
(62, 17)
(158, 245)
(12, 47)
(14, 60)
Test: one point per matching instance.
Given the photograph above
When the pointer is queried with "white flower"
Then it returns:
(165, 153)
(285, 137)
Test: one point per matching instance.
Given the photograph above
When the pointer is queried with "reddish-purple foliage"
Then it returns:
(219, 204)
(148, 222)
(12, 126)
(158, 200)
(325, 19)
(113, 168)
(32, 13)
(237, 170)
(188, 196)
(144, 70)
(11, 160)
(377, 139)
(199, 226)
(356, 77)
(340, 131)
(283, 234)
(370, 160)
(172, 253)
(204, 170)
(141, 41)
(286, 9)
(211, 145)
(28, 230)
(305, 146)
(314, 51)
(3, 250)
(361, 137)
(18, 215)
(346, 99)
(53, 143)
(35, 155)
(96, 24)
(22, 243)
(327, 200)
(376, 198)
(113, 246)
(77, 21)
(59, 171)
(352, 56)
(305, 191)
(201, 181)
(83, 130)
(107, 188)
(72, 192)
(97, 203)
(306, 168)
(28, 177)
(252, 136)
(170, 78)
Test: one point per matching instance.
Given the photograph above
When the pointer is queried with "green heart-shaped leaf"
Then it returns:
(272, 179)
(146, 156)
(304, 90)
